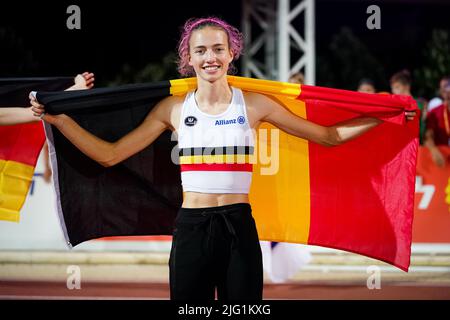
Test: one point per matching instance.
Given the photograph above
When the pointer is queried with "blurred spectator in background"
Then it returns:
(437, 101)
(297, 77)
(438, 128)
(401, 84)
(366, 85)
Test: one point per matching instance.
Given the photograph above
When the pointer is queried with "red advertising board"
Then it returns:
(432, 199)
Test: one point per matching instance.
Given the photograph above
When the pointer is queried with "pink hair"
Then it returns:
(235, 42)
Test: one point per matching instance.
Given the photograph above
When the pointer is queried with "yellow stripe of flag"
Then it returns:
(273, 206)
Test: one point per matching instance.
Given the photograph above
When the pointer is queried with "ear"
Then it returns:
(232, 55)
(189, 60)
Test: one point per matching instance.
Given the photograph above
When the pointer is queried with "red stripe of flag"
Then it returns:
(359, 203)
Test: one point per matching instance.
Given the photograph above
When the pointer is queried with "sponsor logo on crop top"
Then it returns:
(240, 120)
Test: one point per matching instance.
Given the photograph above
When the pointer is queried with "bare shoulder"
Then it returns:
(168, 110)
(259, 105)
(171, 102)
(166, 106)
(252, 98)
(259, 100)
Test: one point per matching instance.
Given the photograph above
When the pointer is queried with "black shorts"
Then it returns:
(216, 247)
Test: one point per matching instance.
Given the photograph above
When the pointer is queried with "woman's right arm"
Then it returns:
(110, 153)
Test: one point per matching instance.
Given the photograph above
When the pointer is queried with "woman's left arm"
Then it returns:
(264, 108)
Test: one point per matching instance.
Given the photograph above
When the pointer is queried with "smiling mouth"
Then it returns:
(211, 68)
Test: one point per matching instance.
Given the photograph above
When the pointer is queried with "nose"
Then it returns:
(210, 56)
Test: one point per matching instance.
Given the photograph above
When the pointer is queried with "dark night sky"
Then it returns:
(138, 32)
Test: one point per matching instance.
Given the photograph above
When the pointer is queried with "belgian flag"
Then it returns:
(356, 197)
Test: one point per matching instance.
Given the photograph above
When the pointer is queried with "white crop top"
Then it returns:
(216, 151)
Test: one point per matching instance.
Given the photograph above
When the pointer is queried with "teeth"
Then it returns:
(212, 68)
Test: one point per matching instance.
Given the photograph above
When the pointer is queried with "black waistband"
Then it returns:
(228, 207)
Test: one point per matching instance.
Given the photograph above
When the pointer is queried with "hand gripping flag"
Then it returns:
(21, 144)
(356, 197)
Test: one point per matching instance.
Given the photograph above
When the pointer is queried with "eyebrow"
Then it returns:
(215, 45)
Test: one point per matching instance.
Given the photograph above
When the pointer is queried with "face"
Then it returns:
(367, 88)
(442, 86)
(399, 88)
(446, 93)
(209, 53)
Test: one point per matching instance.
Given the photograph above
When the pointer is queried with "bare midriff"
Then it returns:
(203, 200)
